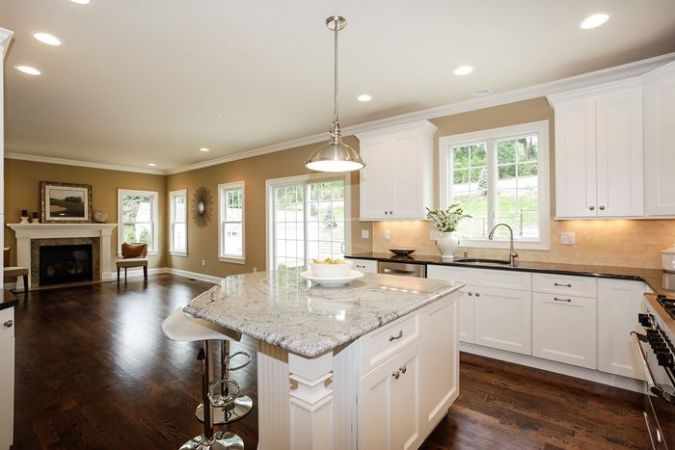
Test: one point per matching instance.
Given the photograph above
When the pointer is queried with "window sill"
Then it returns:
(176, 253)
(230, 259)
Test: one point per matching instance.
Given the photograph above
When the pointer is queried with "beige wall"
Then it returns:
(203, 242)
(629, 243)
(22, 191)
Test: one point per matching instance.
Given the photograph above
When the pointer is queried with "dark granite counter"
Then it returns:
(7, 299)
(661, 282)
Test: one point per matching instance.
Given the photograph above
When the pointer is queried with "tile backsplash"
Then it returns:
(624, 243)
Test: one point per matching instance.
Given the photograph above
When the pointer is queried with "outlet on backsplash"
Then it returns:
(568, 238)
(386, 235)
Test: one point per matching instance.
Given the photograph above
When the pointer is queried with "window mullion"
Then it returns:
(491, 147)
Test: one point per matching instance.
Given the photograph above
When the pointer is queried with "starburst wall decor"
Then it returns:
(202, 206)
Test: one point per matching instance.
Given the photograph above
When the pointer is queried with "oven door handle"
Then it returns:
(652, 387)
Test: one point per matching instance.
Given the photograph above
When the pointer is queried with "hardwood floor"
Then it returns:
(94, 371)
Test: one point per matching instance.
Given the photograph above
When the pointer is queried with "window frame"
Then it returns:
(272, 183)
(154, 249)
(222, 256)
(493, 135)
(172, 221)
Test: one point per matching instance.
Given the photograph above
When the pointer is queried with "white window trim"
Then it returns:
(543, 169)
(172, 217)
(271, 183)
(155, 216)
(228, 258)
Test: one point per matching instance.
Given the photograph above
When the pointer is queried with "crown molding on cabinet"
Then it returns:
(78, 163)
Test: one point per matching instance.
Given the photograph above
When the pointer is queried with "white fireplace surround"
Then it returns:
(26, 232)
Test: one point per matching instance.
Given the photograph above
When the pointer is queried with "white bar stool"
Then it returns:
(179, 326)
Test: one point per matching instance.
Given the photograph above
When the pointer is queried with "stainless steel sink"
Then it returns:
(483, 261)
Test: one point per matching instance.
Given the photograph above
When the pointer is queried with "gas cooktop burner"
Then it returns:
(668, 304)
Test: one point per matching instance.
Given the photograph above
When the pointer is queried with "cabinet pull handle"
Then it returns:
(396, 374)
(403, 369)
(567, 285)
(398, 336)
(558, 299)
(592, 208)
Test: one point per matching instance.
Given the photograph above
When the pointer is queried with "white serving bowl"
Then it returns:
(331, 270)
(668, 259)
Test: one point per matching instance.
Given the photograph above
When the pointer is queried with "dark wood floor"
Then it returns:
(95, 371)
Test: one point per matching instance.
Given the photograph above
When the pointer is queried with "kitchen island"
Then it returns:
(370, 365)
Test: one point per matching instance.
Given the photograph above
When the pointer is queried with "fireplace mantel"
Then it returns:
(26, 232)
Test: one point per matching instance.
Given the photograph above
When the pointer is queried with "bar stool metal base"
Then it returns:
(240, 408)
(220, 441)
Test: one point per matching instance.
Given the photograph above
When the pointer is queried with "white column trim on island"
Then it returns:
(26, 232)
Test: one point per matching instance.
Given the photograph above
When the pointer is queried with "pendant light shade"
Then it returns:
(335, 155)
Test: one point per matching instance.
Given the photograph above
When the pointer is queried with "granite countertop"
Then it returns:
(661, 282)
(283, 309)
(7, 299)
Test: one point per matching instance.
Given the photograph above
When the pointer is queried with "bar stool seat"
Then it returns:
(179, 326)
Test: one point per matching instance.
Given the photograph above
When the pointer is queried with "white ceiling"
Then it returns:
(153, 80)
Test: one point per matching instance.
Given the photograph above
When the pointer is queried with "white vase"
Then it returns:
(447, 243)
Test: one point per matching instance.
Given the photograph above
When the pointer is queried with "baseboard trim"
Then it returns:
(556, 367)
(194, 275)
(136, 272)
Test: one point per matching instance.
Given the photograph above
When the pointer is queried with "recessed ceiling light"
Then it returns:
(594, 21)
(48, 39)
(28, 69)
(364, 98)
(81, 2)
(482, 92)
(204, 149)
(152, 164)
(463, 70)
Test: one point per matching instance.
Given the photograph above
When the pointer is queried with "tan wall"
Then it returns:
(203, 242)
(22, 186)
(628, 243)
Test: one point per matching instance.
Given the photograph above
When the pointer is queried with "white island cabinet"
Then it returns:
(6, 377)
(372, 365)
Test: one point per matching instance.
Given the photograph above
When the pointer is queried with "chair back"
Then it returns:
(134, 250)
(6, 256)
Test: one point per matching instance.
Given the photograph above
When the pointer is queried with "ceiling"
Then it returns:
(152, 81)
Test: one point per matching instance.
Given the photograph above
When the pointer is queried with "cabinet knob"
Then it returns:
(403, 369)
(396, 374)
(8, 324)
(477, 294)
(592, 208)
(602, 208)
(469, 294)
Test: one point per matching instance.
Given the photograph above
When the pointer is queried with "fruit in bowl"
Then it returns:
(330, 268)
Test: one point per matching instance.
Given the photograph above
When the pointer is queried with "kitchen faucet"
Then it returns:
(512, 253)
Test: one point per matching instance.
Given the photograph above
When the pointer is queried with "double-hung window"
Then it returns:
(499, 175)
(178, 222)
(137, 218)
(306, 219)
(231, 213)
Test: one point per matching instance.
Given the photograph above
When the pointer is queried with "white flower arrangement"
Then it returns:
(446, 220)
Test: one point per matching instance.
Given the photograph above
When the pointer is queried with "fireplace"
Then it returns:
(66, 264)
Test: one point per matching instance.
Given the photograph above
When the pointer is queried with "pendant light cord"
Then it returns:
(335, 74)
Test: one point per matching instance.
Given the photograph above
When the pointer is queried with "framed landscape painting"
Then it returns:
(65, 202)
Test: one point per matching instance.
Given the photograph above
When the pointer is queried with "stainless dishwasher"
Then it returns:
(403, 269)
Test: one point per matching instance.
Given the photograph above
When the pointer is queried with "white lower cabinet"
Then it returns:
(503, 319)
(364, 265)
(6, 377)
(619, 302)
(564, 329)
(389, 403)
(466, 314)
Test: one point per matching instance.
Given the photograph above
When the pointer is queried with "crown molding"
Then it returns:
(611, 74)
(5, 39)
(77, 163)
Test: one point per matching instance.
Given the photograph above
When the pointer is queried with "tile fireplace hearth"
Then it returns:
(30, 238)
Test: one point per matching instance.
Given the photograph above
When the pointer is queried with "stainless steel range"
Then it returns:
(658, 357)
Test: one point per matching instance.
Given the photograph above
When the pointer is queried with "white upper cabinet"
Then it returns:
(659, 110)
(599, 151)
(397, 182)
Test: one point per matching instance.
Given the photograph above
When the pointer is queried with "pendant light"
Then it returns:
(335, 155)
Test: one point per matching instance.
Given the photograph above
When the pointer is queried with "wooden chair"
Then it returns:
(14, 271)
(133, 255)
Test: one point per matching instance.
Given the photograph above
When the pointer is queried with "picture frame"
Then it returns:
(65, 202)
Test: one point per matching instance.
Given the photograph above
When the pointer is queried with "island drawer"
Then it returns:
(364, 265)
(383, 343)
(565, 284)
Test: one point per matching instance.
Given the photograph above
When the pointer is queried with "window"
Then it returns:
(178, 222)
(307, 218)
(137, 217)
(499, 176)
(231, 213)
